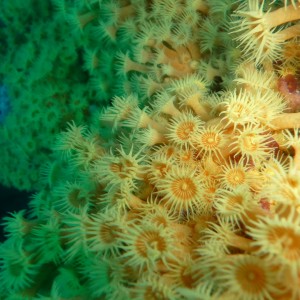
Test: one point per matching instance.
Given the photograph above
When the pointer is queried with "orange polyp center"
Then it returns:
(162, 168)
(288, 240)
(184, 188)
(107, 233)
(210, 140)
(75, 199)
(184, 130)
(187, 156)
(149, 240)
(293, 182)
(249, 143)
(115, 168)
(127, 165)
(251, 278)
(160, 220)
(235, 177)
(170, 151)
(233, 201)
(153, 294)
(84, 19)
(122, 169)
(237, 110)
(187, 277)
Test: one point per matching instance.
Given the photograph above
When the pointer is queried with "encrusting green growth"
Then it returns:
(190, 191)
(42, 67)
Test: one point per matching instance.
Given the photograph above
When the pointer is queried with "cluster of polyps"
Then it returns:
(184, 206)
